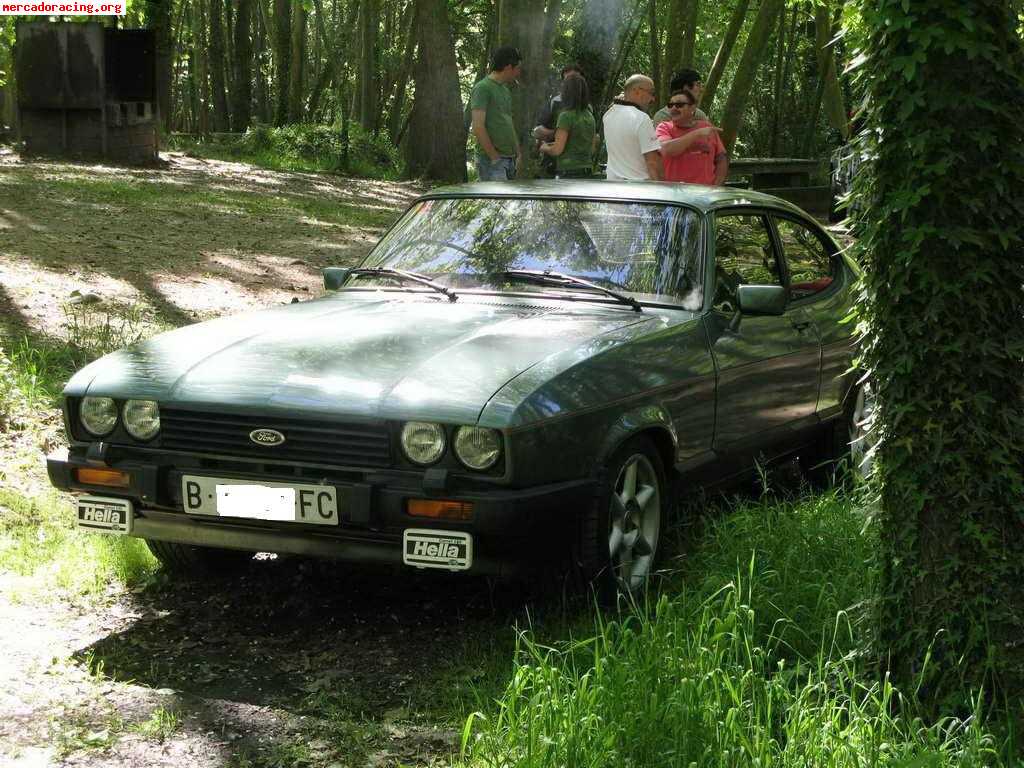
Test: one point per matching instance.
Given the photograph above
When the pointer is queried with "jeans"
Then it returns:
(502, 169)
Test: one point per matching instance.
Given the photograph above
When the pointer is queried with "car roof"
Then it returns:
(702, 197)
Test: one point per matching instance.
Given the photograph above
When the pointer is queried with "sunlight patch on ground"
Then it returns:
(207, 296)
(40, 293)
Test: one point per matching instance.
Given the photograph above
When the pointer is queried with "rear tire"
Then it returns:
(620, 533)
(843, 452)
(184, 560)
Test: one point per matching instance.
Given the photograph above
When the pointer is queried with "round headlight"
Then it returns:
(142, 418)
(478, 447)
(422, 441)
(98, 415)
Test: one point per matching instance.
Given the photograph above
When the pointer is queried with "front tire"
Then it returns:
(620, 533)
(185, 560)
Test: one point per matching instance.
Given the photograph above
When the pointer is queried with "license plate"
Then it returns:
(426, 548)
(281, 502)
(102, 515)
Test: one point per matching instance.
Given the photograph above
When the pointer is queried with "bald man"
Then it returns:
(634, 152)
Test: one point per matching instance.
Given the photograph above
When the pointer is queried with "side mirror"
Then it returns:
(334, 277)
(761, 299)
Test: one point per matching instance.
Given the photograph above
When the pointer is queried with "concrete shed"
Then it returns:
(86, 90)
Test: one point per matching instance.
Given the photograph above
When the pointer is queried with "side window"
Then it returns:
(743, 256)
(811, 268)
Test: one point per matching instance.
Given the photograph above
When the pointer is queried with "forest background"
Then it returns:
(377, 87)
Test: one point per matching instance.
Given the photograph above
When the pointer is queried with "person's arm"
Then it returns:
(653, 161)
(557, 147)
(673, 147)
(542, 133)
(721, 168)
(482, 137)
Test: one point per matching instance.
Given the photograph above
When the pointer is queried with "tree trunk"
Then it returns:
(623, 50)
(402, 82)
(201, 74)
(677, 11)
(942, 230)
(158, 18)
(298, 64)
(690, 32)
(437, 144)
(739, 15)
(366, 87)
(523, 23)
(262, 87)
(655, 53)
(824, 32)
(780, 48)
(220, 96)
(594, 46)
(282, 56)
(753, 54)
(241, 94)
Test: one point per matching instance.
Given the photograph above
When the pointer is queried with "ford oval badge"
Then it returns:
(268, 437)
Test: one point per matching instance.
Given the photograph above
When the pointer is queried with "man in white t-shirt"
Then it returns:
(634, 152)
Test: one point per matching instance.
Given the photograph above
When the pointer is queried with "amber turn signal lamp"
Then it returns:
(439, 509)
(113, 478)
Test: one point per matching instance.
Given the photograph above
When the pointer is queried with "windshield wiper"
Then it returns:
(547, 277)
(412, 277)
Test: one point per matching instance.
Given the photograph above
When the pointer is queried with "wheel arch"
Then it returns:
(651, 422)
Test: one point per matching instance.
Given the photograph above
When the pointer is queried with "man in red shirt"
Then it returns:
(691, 149)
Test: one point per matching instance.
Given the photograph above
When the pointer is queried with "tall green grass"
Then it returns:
(38, 540)
(303, 147)
(750, 656)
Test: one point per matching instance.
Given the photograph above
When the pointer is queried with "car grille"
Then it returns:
(319, 442)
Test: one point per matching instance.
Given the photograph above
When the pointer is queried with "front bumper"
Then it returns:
(513, 529)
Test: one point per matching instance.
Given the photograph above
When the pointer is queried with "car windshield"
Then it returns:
(650, 252)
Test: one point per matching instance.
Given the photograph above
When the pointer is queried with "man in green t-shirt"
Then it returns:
(498, 152)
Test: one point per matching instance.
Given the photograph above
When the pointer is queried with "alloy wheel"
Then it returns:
(635, 524)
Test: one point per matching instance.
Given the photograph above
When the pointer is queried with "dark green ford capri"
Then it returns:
(516, 373)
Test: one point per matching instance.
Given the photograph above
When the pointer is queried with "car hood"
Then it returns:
(353, 354)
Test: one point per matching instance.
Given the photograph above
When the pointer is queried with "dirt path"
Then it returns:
(288, 662)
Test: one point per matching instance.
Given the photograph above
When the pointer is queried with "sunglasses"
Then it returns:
(679, 104)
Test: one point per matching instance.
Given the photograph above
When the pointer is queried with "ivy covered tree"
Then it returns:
(942, 242)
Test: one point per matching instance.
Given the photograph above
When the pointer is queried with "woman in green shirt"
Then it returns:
(575, 131)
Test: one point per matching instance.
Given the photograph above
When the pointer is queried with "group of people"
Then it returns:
(678, 144)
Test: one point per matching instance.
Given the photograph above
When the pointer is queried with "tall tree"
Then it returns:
(402, 81)
(200, 71)
(158, 18)
(297, 66)
(437, 145)
(753, 55)
(655, 52)
(241, 92)
(594, 43)
(677, 11)
(739, 15)
(282, 56)
(824, 34)
(942, 238)
(690, 21)
(217, 62)
(366, 85)
(525, 24)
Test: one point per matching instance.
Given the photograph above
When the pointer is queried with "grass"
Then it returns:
(38, 539)
(154, 195)
(752, 654)
(307, 148)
